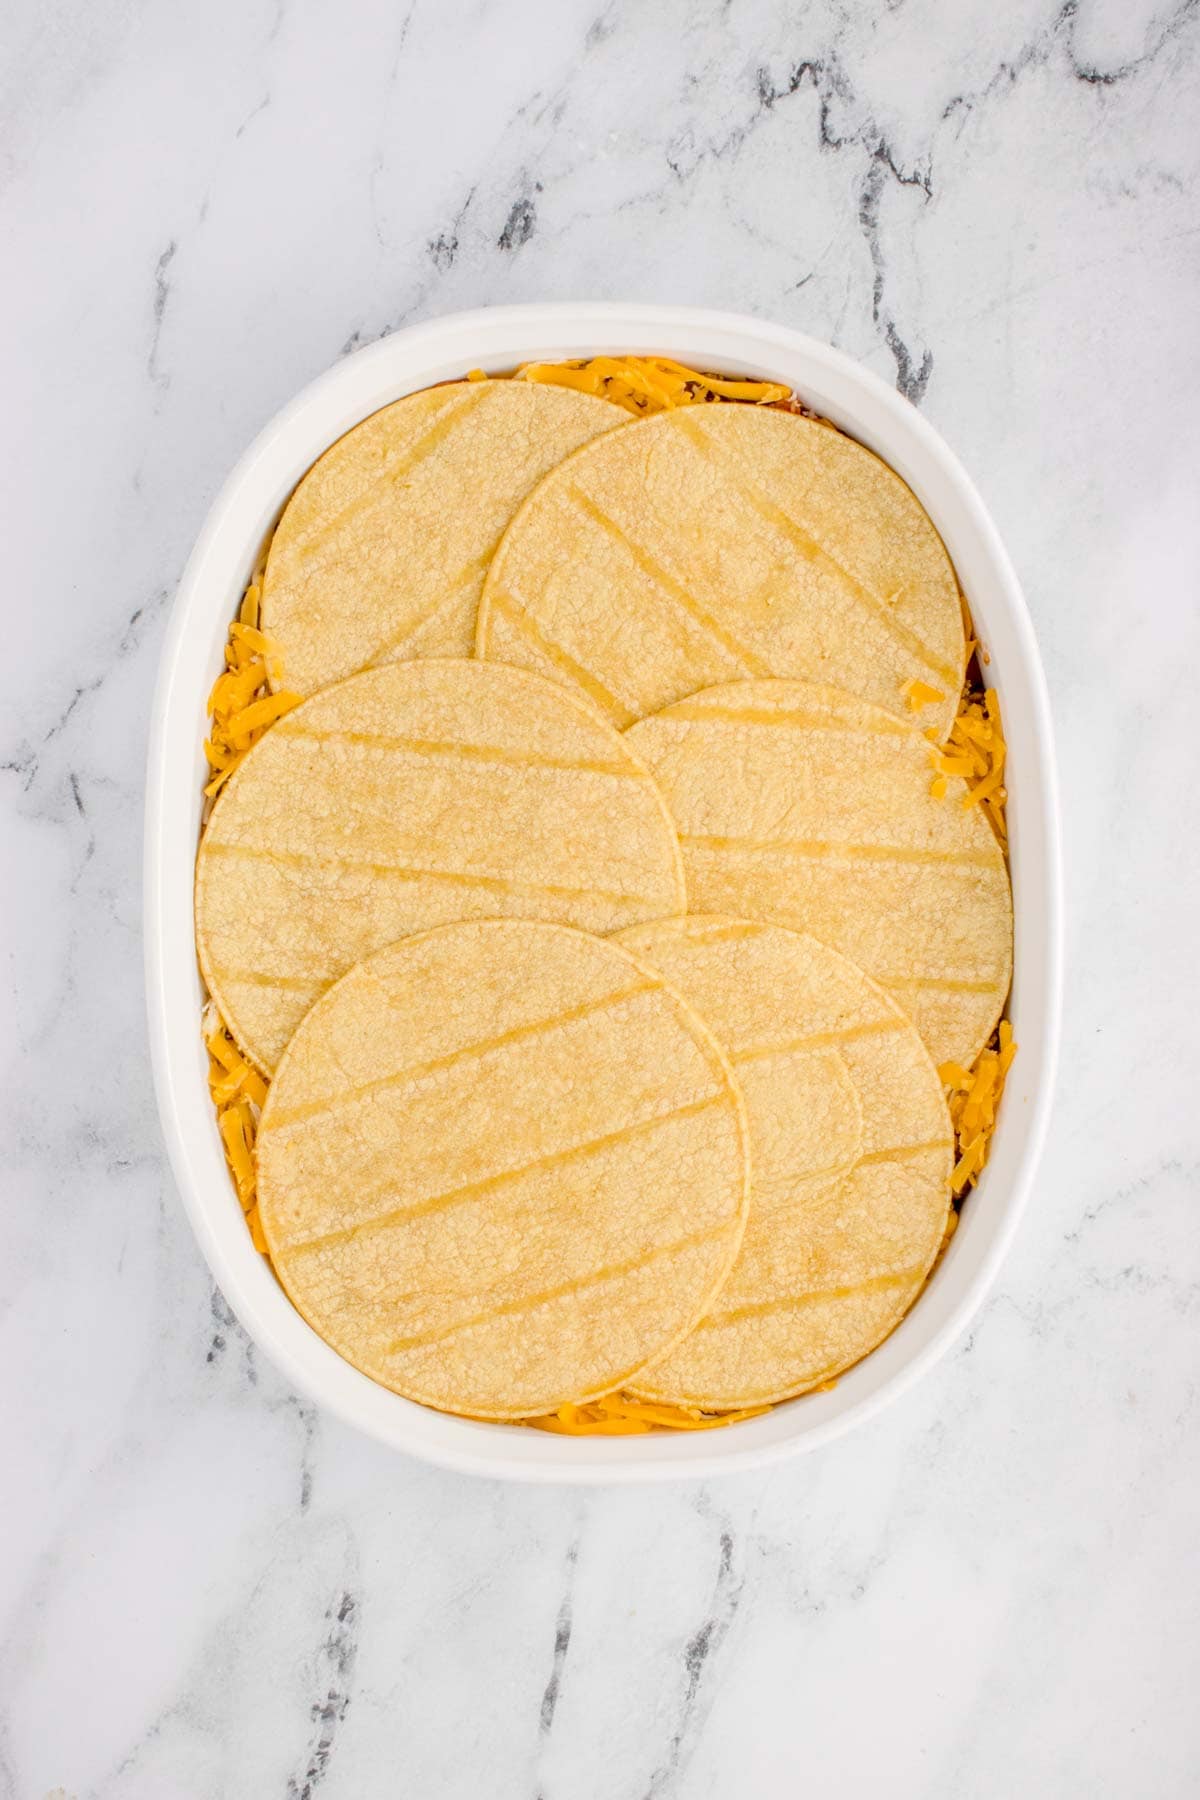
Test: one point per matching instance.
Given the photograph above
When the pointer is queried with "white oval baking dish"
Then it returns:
(212, 585)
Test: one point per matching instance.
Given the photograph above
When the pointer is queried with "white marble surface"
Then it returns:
(207, 1590)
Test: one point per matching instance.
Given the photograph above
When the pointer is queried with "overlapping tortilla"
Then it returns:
(406, 797)
(381, 552)
(830, 1261)
(806, 807)
(502, 1164)
(721, 542)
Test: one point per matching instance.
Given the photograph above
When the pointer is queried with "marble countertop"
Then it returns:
(208, 1590)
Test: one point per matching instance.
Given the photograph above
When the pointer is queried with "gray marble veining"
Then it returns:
(210, 1591)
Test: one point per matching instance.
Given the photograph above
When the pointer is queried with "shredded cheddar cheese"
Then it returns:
(242, 704)
(649, 384)
(238, 1092)
(975, 749)
(974, 1095)
(620, 1416)
(919, 694)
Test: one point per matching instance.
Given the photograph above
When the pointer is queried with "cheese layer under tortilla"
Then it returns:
(832, 1259)
(806, 807)
(410, 796)
(381, 552)
(501, 1164)
(720, 542)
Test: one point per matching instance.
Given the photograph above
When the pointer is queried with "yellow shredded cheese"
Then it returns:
(974, 1097)
(974, 750)
(919, 694)
(649, 384)
(238, 1092)
(242, 704)
(620, 1416)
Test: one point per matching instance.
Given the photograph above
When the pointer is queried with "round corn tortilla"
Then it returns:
(806, 807)
(381, 552)
(827, 1268)
(407, 797)
(716, 543)
(501, 1165)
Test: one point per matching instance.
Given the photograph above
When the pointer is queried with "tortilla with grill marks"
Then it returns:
(502, 1164)
(830, 1261)
(381, 552)
(717, 543)
(806, 807)
(410, 796)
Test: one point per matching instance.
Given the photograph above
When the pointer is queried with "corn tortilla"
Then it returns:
(502, 1164)
(716, 543)
(827, 1266)
(806, 807)
(410, 796)
(381, 552)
